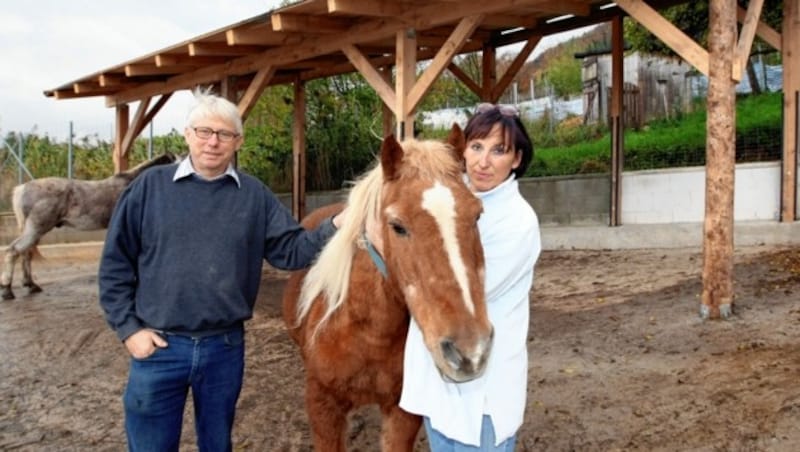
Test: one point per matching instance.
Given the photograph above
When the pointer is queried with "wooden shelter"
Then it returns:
(384, 40)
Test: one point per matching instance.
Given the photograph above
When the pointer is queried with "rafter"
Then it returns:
(375, 8)
(746, 36)
(372, 75)
(668, 33)
(259, 35)
(764, 31)
(443, 57)
(515, 66)
(221, 49)
(308, 24)
(133, 70)
(166, 60)
(254, 90)
(422, 17)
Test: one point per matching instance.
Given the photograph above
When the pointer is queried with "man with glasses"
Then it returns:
(179, 275)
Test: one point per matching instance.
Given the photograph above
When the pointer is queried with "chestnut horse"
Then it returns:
(350, 312)
(51, 202)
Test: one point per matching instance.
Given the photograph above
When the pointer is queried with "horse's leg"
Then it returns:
(8, 272)
(24, 245)
(27, 275)
(399, 429)
(327, 416)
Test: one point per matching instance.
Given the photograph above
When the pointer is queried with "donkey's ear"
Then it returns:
(457, 141)
(391, 157)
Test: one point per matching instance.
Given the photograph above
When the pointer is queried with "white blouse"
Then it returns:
(509, 231)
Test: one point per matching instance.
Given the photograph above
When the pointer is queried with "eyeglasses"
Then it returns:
(205, 133)
(505, 110)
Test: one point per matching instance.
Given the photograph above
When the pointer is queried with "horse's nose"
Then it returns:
(468, 364)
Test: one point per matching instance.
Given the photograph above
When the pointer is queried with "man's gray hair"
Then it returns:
(208, 105)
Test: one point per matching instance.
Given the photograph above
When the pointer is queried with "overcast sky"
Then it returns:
(47, 43)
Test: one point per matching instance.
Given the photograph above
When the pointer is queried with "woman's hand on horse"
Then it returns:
(143, 343)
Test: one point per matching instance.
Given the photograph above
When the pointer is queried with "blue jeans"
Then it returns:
(154, 400)
(440, 443)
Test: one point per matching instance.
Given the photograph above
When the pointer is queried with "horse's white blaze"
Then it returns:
(439, 201)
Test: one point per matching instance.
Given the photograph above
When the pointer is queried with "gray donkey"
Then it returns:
(50, 202)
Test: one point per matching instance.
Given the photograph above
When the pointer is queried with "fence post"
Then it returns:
(69, 153)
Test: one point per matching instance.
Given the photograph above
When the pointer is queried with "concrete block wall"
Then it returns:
(666, 197)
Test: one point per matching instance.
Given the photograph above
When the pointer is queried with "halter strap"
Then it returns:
(376, 257)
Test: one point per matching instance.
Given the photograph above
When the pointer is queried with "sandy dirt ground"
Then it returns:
(619, 361)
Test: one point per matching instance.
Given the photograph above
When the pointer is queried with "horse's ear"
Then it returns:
(457, 141)
(391, 156)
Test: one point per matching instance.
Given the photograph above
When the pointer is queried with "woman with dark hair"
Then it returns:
(485, 414)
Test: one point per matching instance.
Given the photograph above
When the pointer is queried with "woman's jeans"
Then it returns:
(155, 397)
(440, 443)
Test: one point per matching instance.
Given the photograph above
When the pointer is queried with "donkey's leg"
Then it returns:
(8, 272)
(21, 245)
(27, 275)
(327, 416)
(399, 429)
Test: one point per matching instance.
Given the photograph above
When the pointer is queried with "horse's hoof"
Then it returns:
(33, 288)
(7, 293)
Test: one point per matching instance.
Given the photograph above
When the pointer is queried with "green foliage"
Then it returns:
(344, 130)
(342, 133)
(448, 92)
(667, 143)
(564, 73)
(692, 19)
(267, 149)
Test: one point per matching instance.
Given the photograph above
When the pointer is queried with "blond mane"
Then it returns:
(330, 274)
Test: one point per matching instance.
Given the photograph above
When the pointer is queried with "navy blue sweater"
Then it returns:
(186, 256)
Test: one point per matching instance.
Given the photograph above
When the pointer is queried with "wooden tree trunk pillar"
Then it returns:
(717, 298)
(119, 155)
(790, 51)
(299, 151)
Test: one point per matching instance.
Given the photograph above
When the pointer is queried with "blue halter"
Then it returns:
(376, 258)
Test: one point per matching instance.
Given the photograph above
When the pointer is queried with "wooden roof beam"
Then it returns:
(509, 21)
(134, 70)
(764, 31)
(515, 66)
(465, 78)
(285, 22)
(372, 75)
(746, 36)
(254, 90)
(423, 17)
(565, 7)
(442, 59)
(110, 80)
(668, 33)
(261, 35)
(374, 8)
(167, 60)
(221, 49)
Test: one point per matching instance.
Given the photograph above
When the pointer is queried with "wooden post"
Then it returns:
(387, 117)
(488, 73)
(119, 156)
(790, 52)
(406, 63)
(299, 151)
(717, 299)
(227, 89)
(617, 124)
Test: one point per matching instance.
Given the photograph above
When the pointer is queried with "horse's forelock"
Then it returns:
(430, 159)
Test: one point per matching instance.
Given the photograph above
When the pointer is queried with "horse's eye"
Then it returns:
(398, 229)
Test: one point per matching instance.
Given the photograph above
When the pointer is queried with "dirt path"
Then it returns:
(619, 361)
